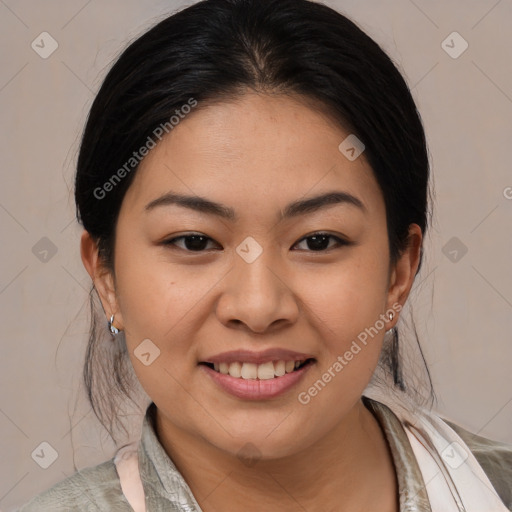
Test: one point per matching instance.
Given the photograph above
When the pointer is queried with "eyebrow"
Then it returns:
(294, 209)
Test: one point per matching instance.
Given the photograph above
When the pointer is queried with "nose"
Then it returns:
(258, 296)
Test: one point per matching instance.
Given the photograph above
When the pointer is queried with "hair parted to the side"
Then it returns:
(214, 50)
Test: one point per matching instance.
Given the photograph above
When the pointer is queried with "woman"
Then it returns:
(253, 187)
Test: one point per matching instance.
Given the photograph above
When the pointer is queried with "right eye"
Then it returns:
(195, 242)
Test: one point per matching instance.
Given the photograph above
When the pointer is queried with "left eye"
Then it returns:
(196, 242)
(320, 241)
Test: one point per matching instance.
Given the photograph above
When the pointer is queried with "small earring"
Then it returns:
(113, 330)
(391, 316)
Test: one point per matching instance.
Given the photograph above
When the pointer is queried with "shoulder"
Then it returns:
(90, 489)
(494, 457)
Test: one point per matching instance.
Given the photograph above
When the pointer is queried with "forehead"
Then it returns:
(252, 151)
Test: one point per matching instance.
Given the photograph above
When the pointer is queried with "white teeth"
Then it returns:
(235, 369)
(290, 365)
(263, 371)
(279, 368)
(249, 371)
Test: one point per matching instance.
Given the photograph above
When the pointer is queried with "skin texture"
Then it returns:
(256, 154)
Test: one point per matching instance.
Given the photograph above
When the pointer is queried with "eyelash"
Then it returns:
(341, 241)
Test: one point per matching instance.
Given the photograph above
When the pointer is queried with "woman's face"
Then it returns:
(255, 282)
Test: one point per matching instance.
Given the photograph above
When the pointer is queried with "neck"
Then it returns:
(350, 465)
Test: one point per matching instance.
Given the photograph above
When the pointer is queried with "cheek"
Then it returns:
(346, 310)
(161, 303)
(167, 304)
(154, 294)
(347, 297)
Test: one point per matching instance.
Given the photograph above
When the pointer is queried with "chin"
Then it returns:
(253, 444)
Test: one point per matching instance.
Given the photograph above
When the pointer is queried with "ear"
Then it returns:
(101, 276)
(404, 272)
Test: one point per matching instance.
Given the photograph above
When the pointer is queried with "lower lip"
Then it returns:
(255, 389)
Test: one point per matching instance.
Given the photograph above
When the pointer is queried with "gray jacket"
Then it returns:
(98, 488)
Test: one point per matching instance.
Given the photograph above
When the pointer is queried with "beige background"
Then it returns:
(463, 308)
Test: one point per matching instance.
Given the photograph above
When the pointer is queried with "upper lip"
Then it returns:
(249, 356)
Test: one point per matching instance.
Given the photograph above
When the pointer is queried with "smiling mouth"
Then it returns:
(264, 371)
